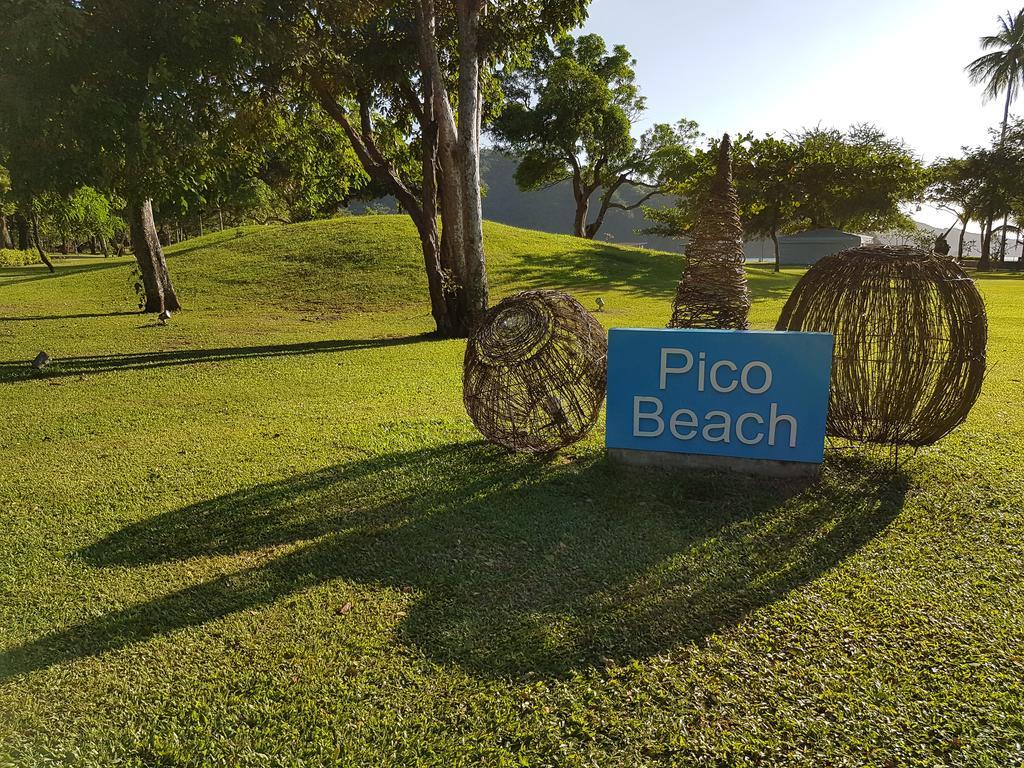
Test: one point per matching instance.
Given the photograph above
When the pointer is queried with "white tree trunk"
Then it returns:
(470, 108)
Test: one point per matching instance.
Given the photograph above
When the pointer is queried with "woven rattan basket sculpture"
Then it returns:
(910, 334)
(712, 292)
(535, 371)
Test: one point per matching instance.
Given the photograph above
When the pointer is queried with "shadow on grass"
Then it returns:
(81, 366)
(522, 566)
(1002, 275)
(81, 316)
(641, 273)
(229, 235)
(39, 272)
(598, 268)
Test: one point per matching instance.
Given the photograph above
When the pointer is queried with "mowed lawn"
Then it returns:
(268, 535)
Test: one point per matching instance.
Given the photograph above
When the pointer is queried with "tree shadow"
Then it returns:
(649, 274)
(39, 272)
(13, 371)
(80, 316)
(766, 283)
(520, 566)
(1007, 275)
(210, 240)
(599, 267)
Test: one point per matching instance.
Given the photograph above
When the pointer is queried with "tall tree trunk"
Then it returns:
(607, 200)
(447, 325)
(579, 226)
(39, 243)
(22, 227)
(963, 233)
(1002, 239)
(445, 321)
(451, 201)
(778, 255)
(5, 234)
(149, 254)
(104, 246)
(470, 109)
(419, 210)
(984, 263)
(447, 172)
(143, 249)
(456, 178)
(1002, 141)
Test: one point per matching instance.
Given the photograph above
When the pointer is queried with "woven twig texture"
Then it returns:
(910, 333)
(712, 292)
(534, 373)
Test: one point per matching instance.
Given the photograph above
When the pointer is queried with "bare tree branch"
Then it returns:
(637, 204)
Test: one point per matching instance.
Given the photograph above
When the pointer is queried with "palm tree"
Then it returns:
(1001, 70)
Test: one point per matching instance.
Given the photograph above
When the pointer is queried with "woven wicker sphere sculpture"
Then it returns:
(910, 334)
(534, 373)
(712, 292)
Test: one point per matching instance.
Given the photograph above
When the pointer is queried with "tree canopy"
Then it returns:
(1000, 70)
(410, 83)
(858, 179)
(83, 215)
(569, 117)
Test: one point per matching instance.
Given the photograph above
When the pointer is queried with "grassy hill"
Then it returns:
(267, 534)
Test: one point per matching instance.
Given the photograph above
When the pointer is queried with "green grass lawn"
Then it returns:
(268, 535)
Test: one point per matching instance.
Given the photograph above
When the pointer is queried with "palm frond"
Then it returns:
(1001, 70)
(993, 41)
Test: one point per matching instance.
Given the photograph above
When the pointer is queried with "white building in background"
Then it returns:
(806, 248)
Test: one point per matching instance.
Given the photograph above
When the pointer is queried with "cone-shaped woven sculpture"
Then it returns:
(713, 290)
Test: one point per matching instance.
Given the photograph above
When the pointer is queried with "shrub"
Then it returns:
(12, 258)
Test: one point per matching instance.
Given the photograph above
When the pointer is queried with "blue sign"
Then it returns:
(748, 394)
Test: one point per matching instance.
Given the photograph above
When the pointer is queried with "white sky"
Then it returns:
(745, 65)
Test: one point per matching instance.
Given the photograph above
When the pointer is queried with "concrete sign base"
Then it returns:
(765, 467)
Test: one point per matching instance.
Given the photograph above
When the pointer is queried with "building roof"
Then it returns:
(826, 235)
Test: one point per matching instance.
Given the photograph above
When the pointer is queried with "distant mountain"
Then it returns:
(553, 209)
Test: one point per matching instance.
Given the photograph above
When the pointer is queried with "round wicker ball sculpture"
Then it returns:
(534, 373)
(910, 334)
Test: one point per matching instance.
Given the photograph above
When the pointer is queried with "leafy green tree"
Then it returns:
(117, 94)
(569, 118)
(18, 206)
(1003, 168)
(294, 163)
(769, 186)
(984, 184)
(276, 157)
(408, 81)
(82, 216)
(766, 176)
(1002, 69)
(959, 185)
(858, 179)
